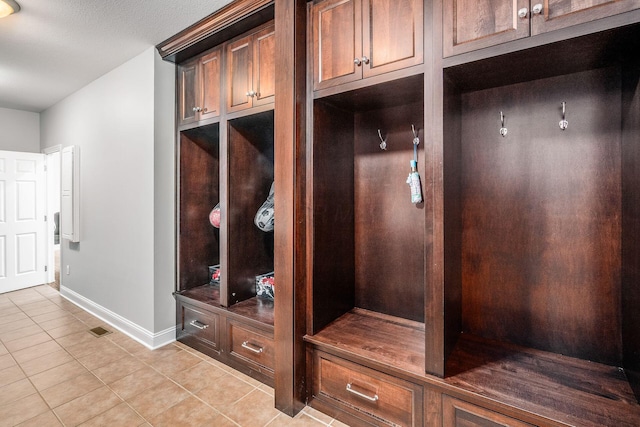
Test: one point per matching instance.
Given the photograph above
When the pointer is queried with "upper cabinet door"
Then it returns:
(251, 70)
(210, 84)
(187, 92)
(239, 74)
(337, 42)
(264, 66)
(471, 24)
(549, 15)
(392, 35)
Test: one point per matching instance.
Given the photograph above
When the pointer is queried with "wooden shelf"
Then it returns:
(207, 294)
(257, 309)
(565, 389)
(387, 341)
(552, 387)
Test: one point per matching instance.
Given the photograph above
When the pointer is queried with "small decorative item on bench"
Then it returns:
(265, 286)
(214, 275)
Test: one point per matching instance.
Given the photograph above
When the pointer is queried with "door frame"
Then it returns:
(50, 177)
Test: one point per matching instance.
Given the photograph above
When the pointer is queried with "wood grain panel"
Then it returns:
(373, 395)
(239, 74)
(541, 215)
(250, 249)
(457, 413)
(559, 388)
(564, 13)
(187, 92)
(333, 214)
(392, 35)
(199, 193)
(211, 84)
(631, 224)
(264, 66)
(470, 24)
(337, 41)
(389, 229)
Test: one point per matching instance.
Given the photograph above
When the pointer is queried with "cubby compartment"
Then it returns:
(541, 228)
(250, 176)
(368, 237)
(199, 186)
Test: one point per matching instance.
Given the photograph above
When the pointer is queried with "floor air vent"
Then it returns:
(99, 331)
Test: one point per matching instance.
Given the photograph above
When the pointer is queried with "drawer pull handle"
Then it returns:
(373, 398)
(252, 347)
(198, 324)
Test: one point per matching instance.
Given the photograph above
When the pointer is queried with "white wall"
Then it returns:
(164, 194)
(19, 130)
(113, 267)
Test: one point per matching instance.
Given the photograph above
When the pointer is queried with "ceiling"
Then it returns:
(52, 48)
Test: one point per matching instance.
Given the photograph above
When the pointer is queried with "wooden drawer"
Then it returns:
(199, 325)
(458, 413)
(366, 394)
(252, 346)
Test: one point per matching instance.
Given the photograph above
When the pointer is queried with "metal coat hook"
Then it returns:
(563, 123)
(416, 140)
(383, 141)
(503, 130)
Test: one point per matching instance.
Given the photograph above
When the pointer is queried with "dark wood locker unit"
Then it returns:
(199, 88)
(366, 278)
(508, 296)
(251, 70)
(245, 334)
(249, 250)
(474, 25)
(507, 292)
(229, 162)
(536, 240)
(356, 39)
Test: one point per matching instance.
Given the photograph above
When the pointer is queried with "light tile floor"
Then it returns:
(54, 372)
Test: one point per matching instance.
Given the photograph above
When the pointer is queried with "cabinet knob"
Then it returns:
(195, 109)
(251, 94)
(537, 8)
(357, 61)
(365, 60)
(522, 13)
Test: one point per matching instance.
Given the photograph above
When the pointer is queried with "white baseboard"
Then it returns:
(151, 340)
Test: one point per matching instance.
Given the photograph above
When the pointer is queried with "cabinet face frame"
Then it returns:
(505, 28)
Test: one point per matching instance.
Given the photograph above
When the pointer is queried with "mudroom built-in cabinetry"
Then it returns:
(457, 209)
(225, 172)
(503, 298)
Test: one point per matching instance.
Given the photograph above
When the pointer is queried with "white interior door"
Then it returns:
(22, 220)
